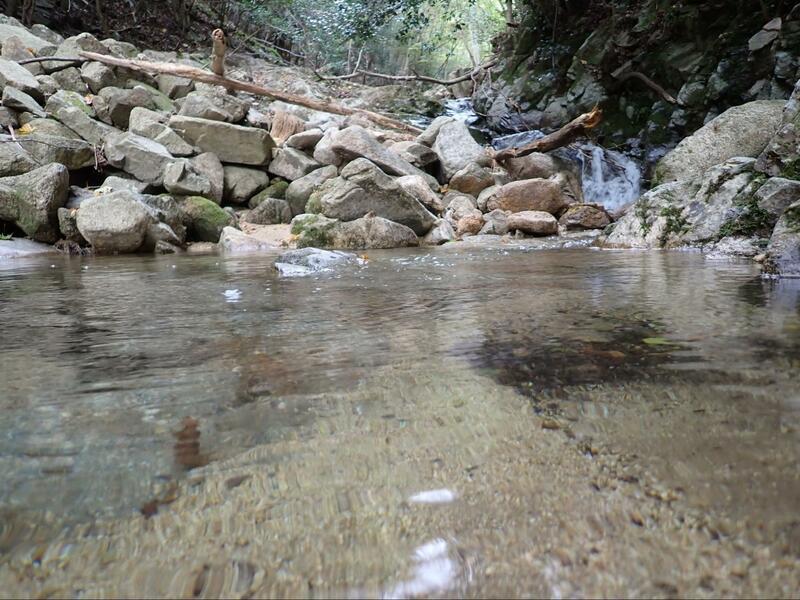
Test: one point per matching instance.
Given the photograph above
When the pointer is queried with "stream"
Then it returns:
(426, 424)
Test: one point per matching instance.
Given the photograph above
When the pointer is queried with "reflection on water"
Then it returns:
(361, 414)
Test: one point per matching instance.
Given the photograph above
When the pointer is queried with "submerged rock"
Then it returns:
(584, 216)
(307, 261)
(21, 248)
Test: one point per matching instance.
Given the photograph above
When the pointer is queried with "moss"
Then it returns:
(676, 223)
(276, 189)
(792, 217)
(641, 212)
(204, 219)
(313, 230)
(791, 170)
(752, 220)
(75, 99)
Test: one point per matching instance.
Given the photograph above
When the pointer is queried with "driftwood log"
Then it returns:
(566, 135)
(242, 86)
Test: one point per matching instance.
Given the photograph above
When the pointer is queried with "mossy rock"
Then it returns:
(276, 189)
(204, 219)
(313, 230)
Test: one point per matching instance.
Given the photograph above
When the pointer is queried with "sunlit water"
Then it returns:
(103, 359)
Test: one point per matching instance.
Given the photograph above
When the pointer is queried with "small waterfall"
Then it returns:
(461, 109)
(608, 177)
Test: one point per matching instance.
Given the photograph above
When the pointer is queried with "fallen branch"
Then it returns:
(39, 59)
(203, 76)
(358, 72)
(567, 134)
(649, 83)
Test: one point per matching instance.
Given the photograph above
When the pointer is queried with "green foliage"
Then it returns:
(676, 223)
(752, 220)
(4, 237)
(641, 212)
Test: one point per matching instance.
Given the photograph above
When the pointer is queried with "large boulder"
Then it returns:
(783, 252)
(21, 102)
(14, 160)
(364, 233)
(40, 46)
(209, 165)
(739, 131)
(214, 106)
(456, 148)
(472, 179)
(204, 220)
(356, 142)
(142, 157)
(231, 143)
(45, 149)
(534, 222)
(363, 188)
(304, 140)
(16, 76)
(323, 151)
(181, 177)
(121, 103)
(417, 154)
(418, 187)
(300, 190)
(98, 76)
(242, 183)
(292, 164)
(151, 124)
(584, 216)
(31, 201)
(271, 211)
(529, 194)
(114, 223)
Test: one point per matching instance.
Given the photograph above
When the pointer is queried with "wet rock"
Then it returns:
(114, 223)
(231, 143)
(307, 261)
(210, 166)
(292, 164)
(441, 233)
(97, 76)
(151, 124)
(22, 248)
(363, 188)
(214, 106)
(584, 216)
(270, 211)
(121, 103)
(242, 183)
(739, 131)
(746, 247)
(143, 158)
(529, 195)
(165, 209)
(300, 190)
(456, 148)
(21, 102)
(472, 179)
(305, 140)
(182, 178)
(16, 76)
(495, 223)
(534, 222)
(418, 188)
(71, 110)
(204, 220)
(31, 201)
(783, 252)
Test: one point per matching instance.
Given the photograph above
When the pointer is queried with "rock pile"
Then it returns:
(119, 162)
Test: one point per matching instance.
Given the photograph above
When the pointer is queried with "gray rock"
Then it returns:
(356, 142)
(16, 76)
(21, 102)
(419, 155)
(300, 190)
(533, 166)
(97, 76)
(761, 40)
(363, 188)
(472, 179)
(276, 189)
(584, 216)
(139, 156)
(210, 166)
(118, 48)
(242, 183)
(495, 223)
(292, 164)
(70, 109)
(72, 47)
(68, 225)
(428, 137)
(231, 143)
(204, 219)
(305, 140)
(45, 149)
(70, 79)
(307, 261)
(323, 152)
(182, 178)
(418, 187)
(529, 195)
(271, 211)
(14, 49)
(14, 160)
(485, 196)
(48, 85)
(114, 183)
(234, 241)
(441, 233)
(165, 209)
(51, 127)
(739, 131)
(8, 118)
(150, 124)
(161, 101)
(456, 148)
(114, 223)
(122, 101)
(31, 201)
(45, 33)
(534, 222)
(214, 106)
(783, 252)
(777, 194)
(373, 232)
(41, 47)
(175, 87)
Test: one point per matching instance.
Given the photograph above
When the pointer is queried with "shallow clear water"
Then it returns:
(103, 359)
